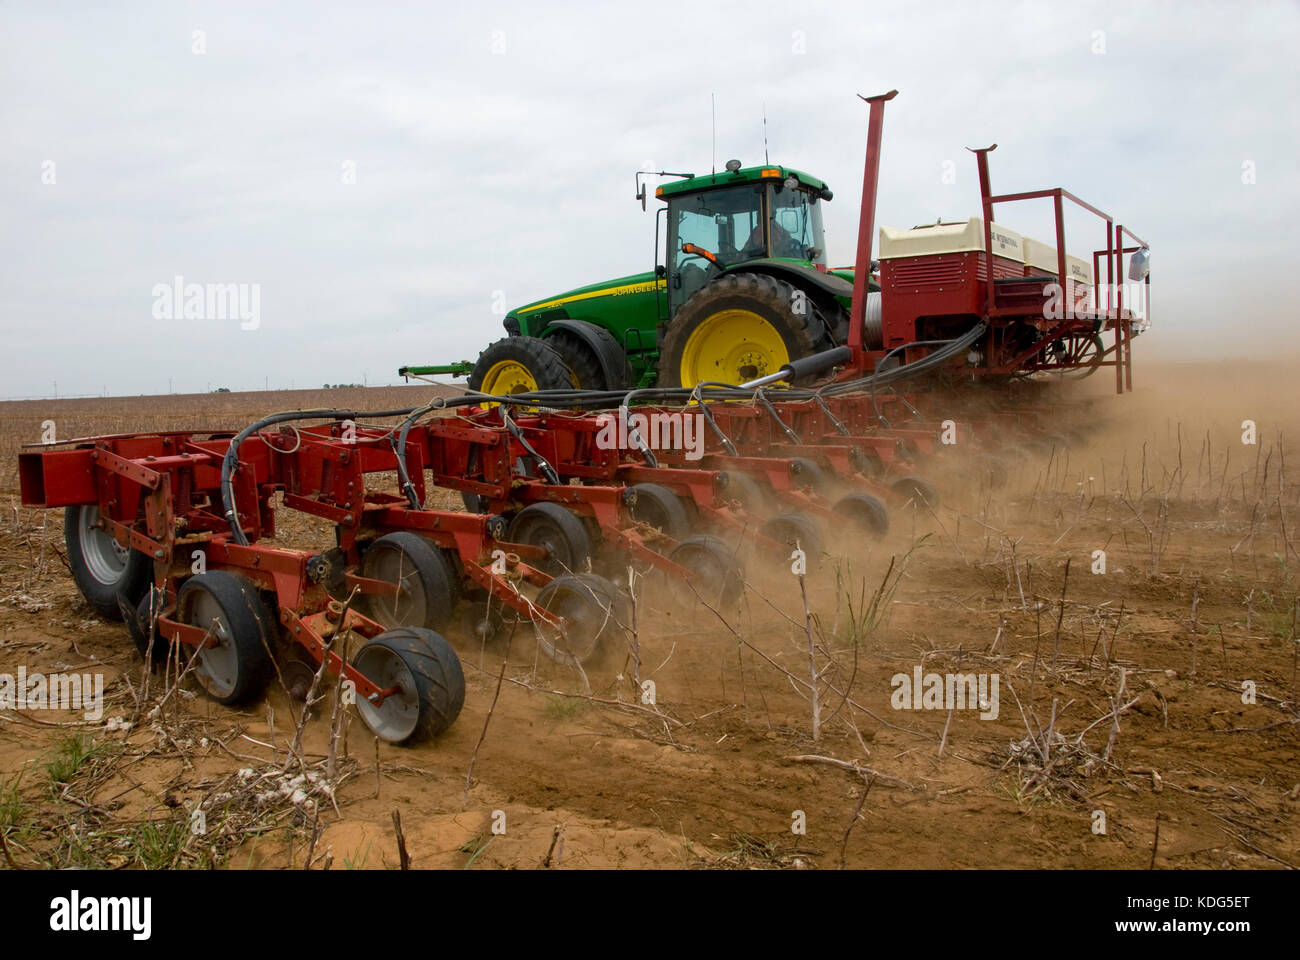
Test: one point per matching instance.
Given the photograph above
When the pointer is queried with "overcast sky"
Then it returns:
(491, 147)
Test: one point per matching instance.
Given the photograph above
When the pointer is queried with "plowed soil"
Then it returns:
(1196, 608)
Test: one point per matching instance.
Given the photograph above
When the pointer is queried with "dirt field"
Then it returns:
(1120, 694)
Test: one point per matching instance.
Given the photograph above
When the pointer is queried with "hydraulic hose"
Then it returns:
(231, 460)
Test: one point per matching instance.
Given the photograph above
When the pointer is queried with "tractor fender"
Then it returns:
(609, 352)
(801, 277)
(823, 289)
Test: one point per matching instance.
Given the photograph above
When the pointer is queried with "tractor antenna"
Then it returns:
(765, 160)
(714, 98)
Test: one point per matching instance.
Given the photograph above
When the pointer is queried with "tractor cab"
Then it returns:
(740, 288)
(719, 221)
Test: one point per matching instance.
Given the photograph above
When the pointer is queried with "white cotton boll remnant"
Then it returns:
(117, 723)
(220, 797)
(245, 774)
(298, 798)
(268, 796)
(203, 742)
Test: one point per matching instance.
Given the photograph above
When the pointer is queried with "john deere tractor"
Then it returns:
(739, 289)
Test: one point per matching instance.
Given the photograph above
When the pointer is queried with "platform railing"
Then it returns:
(1114, 252)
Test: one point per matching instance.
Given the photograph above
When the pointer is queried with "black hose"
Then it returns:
(597, 399)
(231, 460)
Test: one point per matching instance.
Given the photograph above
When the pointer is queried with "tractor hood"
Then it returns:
(636, 283)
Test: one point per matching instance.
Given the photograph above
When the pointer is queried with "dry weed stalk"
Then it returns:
(1053, 764)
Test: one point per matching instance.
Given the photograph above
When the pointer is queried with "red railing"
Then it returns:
(1114, 253)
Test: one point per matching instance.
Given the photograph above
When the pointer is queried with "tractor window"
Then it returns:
(727, 222)
(796, 224)
(724, 222)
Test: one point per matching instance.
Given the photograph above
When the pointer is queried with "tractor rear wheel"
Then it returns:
(519, 365)
(738, 328)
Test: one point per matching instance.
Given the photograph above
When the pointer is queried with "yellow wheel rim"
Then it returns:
(506, 377)
(732, 346)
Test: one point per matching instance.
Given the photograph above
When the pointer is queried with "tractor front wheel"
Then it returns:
(519, 365)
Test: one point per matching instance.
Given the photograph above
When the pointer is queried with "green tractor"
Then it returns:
(742, 290)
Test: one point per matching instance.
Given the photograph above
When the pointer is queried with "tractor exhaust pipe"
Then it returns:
(866, 226)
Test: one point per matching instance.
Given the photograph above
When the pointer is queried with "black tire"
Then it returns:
(866, 512)
(484, 621)
(865, 463)
(661, 508)
(794, 529)
(773, 300)
(809, 474)
(583, 363)
(429, 581)
(561, 532)
(748, 492)
(719, 575)
(235, 669)
(917, 488)
(141, 623)
(598, 615)
(427, 669)
(107, 576)
(536, 356)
